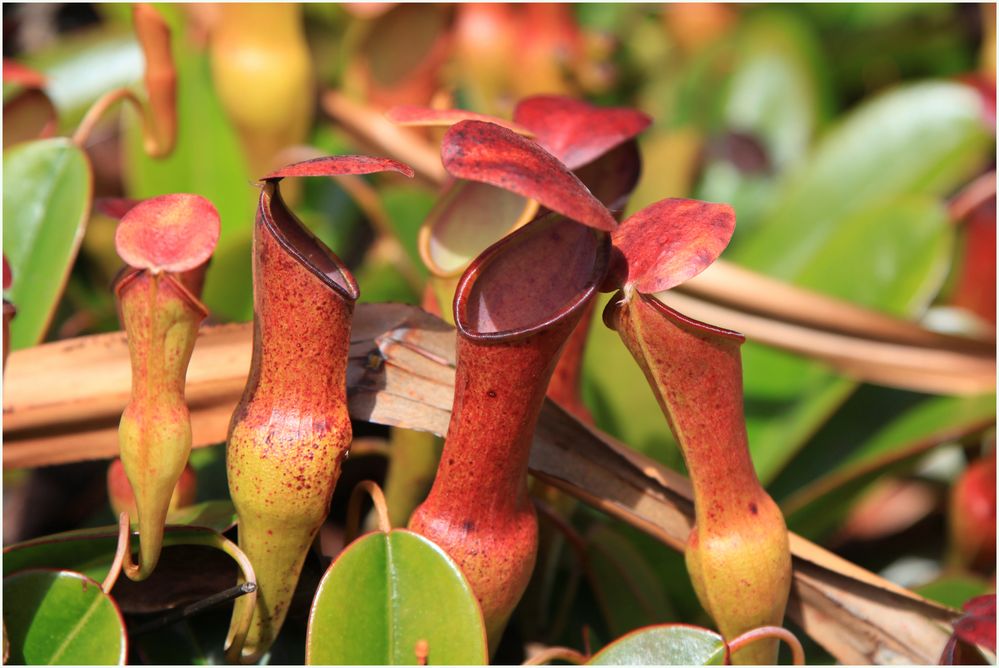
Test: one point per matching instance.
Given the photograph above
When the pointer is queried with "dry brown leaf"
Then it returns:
(944, 368)
(62, 402)
(730, 285)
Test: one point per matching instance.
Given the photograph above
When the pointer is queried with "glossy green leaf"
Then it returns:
(91, 551)
(775, 97)
(954, 590)
(47, 187)
(61, 618)
(206, 161)
(666, 645)
(625, 584)
(891, 257)
(776, 92)
(386, 592)
(83, 65)
(858, 446)
(918, 139)
(218, 515)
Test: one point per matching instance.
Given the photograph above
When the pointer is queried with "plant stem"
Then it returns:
(150, 143)
(371, 488)
(780, 633)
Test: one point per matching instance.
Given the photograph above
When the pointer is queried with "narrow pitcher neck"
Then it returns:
(301, 323)
(161, 320)
(695, 372)
(301, 328)
(499, 390)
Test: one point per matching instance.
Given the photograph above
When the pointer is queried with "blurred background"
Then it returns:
(842, 134)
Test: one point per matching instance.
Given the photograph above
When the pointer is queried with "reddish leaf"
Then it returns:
(8, 277)
(425, 116)
(16, 73)
(172, 233)
(492, 154)
(334, 165)
(978, 624)
(669, 242)
(115, 207)
(613, 176)
(576, 132)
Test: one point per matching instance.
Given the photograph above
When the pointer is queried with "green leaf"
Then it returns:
(625, 584)
(891, 257)
(954, 590)
(47, 186)
(83, 65)
(91, 551)
(386, 592)
(218, 515)
(61, 618)
(918, 139)
(858, 446)
(777, 90)
(665, 645)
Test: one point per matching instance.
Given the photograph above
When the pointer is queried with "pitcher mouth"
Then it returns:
(617, 302)
(128, 275)
(531, 280)
(441, 252)
(301, 244)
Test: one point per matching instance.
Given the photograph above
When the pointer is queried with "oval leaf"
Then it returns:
(576, 132)
(46, 198)
(670, 241)
(665, 645)
(412, 116)
(61, 618)
(172, 233)
(492, 154)
(925, 138)
(385, 593)
(91, 551)
(334, 165)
